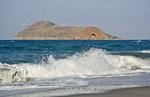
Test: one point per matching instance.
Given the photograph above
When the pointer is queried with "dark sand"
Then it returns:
(130, 92)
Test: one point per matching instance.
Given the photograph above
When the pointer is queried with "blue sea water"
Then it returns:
(14, 52)
(68, 67)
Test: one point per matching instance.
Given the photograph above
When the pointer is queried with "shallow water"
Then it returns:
(72, 67)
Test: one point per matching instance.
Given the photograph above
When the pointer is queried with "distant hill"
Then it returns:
(44, 30)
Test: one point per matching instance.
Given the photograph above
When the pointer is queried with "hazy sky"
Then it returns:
(128, 19)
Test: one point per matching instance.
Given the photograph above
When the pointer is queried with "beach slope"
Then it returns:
(129, 92)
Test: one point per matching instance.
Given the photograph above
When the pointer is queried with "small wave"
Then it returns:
(95, 62)
(137, 41)
(144, 51)
(12, 41)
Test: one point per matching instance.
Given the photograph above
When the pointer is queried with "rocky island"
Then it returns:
(44, 30)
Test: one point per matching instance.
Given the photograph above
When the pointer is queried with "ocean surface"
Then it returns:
(69, 67)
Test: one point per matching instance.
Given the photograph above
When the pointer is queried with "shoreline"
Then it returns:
(126, 92)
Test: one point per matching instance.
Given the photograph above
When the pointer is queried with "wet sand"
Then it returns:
(129, 92)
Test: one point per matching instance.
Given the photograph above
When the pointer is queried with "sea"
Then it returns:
(52, 68)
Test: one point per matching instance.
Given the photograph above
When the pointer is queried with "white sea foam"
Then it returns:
(95, 62)
(145, 51)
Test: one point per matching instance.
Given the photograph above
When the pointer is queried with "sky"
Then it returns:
(128, 19)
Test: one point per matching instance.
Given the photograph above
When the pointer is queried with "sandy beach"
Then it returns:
(129, 92)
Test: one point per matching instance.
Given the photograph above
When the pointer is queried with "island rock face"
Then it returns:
(44, 30)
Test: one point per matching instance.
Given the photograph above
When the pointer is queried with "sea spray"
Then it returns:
(95, 62)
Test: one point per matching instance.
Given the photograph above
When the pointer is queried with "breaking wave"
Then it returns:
(95, 62)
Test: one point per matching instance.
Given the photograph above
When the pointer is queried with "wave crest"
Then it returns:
(145, 51)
